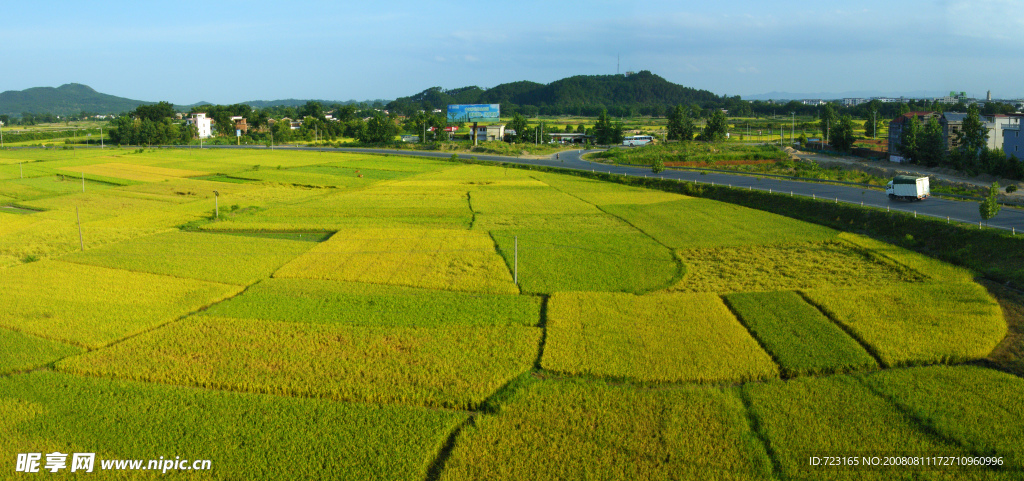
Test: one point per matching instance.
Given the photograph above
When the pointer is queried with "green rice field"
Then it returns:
(324, 315)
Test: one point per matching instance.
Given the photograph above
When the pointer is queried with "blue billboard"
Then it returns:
(474, 113)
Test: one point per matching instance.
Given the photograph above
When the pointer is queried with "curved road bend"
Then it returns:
(935, 207)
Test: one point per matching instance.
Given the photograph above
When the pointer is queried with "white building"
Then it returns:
(486, 133)
(202, 125)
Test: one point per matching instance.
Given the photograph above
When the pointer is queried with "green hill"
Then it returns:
(64, 100)
(578, 95)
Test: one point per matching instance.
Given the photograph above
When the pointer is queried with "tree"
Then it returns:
(910, 140)
(658, 165)
(518, 124)
(972, 138)
(872, 123)
(225, 126)
(344, 113)
(931, 147)
(155, 112)
(618, 131)
(312, 109)
(282, 131)
(379, 130)
(187, 132)
(842, 135)
(603, 131)
(680, 124)
(715, 129)
(120, 130)
(829, 120)
(990, 206)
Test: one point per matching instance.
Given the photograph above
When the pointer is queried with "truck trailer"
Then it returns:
(908, 187)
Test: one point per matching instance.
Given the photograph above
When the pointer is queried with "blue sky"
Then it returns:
(232, 51)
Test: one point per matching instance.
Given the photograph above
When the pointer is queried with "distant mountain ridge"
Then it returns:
(73, 98)
(859, 94)
(64, 100)
(262, 104)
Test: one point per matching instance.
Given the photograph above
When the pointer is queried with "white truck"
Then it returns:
(908, 187)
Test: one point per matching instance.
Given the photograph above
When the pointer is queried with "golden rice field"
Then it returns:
(430, 258)
(142, 173)
(319, 315)
(662, 337)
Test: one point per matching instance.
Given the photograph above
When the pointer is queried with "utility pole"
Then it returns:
(81, 243)
(792, 127)
(216, 205)
(101, 138)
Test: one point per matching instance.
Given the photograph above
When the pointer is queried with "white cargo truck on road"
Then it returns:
(908, 187)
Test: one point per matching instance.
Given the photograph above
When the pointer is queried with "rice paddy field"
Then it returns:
(314, 315)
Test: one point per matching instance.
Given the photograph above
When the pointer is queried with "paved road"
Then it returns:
(941, 208)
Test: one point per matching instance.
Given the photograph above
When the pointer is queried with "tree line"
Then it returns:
(156, 124)
(924, 143)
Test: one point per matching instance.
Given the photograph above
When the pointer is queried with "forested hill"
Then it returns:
(67, 99)
(642, 92)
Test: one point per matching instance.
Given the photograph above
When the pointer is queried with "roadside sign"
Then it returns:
(474, 113)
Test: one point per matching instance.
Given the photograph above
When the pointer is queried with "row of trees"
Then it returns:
(838, 129)
(926, 145)
(155, 124)
(150, 125)
(681, 125)
(132, 130)
(29, 118)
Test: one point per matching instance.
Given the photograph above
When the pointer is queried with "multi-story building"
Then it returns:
(202, 125)
(996, 124)
(1013, 142)
(954, 98)
(240, 124)
(952, 123)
